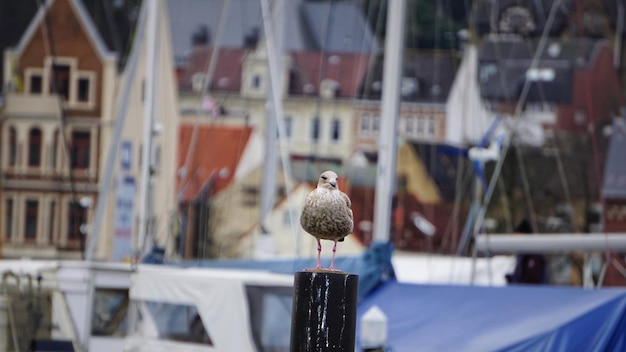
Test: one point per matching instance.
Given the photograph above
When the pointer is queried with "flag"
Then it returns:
(209, 105)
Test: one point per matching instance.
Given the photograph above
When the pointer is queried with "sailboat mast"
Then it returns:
(120, 117)
(390, 108)
(273, 43)
(148, 123)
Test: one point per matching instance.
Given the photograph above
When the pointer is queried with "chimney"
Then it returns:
(201, 36)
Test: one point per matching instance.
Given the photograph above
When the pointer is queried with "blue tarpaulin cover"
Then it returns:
(513, 318)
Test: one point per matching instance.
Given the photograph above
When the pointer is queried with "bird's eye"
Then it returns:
(324, 178)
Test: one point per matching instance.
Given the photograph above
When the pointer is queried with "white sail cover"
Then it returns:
(466, 117)
(218, 295)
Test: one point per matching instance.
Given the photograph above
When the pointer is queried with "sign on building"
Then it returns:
(124, 224)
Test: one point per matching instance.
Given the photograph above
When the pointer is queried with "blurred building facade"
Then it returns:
(61, 93)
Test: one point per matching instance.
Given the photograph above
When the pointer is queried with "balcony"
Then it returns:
(27, 105)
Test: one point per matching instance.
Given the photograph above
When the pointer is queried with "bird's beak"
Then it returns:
(334, 184)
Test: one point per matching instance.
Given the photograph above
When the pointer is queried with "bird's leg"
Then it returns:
(319, 254)
(332, 261)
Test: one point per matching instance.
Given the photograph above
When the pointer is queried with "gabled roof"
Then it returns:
(83, 17)
(427, 76)
(310, 69)
(312, 25)
(336, 26)
(614, 185)
(214, 160)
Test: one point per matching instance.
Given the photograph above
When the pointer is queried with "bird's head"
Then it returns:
(328, 180)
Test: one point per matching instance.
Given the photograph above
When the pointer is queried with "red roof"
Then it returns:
(312, 67)
(214, 160)
(227, 75)
(309, 69)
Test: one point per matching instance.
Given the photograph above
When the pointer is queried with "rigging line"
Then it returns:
(167, 144)
(358, 68)
(360, 82)
(559, 162)
(276, 88)
(228, 94)
(591, 127)
(506, 144)
(526, 186)
(564, 181)
(525, 183)
(321, 72)
(522, 165)
(373, 55)
(436, 57)
(362, 93)
(49, 46)
(210, 72)
(506, 206)
(464, 180)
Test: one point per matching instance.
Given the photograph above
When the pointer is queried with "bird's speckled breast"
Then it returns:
(326, 215)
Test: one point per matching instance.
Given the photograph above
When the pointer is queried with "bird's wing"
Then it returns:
(348, 204)
(347, 199)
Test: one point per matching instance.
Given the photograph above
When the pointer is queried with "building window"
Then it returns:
(60, 80)
(376, 124)
(110, 313)
(410, 127)
(30, 226)
(288, 124)
(364, 125)
(35, 84)
(83, 90)
(77, 218)
(80, 150)
(315, 129)
(8, 219)
(369, 125)
(34, 147)
(12, 146)
(432, 127)
(51, 221)
(53, 152)
(286, 217)
(189, 327)
(335, 132)
(256, 82)
(420, 126)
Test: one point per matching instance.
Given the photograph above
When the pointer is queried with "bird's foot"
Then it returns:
(332, 268)
(319, 267)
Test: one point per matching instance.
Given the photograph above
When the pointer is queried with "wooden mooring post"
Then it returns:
(323, 317)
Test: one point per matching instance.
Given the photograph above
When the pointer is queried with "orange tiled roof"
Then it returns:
(214, 160)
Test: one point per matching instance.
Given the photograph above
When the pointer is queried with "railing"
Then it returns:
(31, 105)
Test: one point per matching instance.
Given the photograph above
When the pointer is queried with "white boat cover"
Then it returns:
(218, 295)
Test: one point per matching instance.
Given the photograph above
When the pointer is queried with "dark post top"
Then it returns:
(324, 311)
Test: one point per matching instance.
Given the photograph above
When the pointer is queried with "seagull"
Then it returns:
(327, 215)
